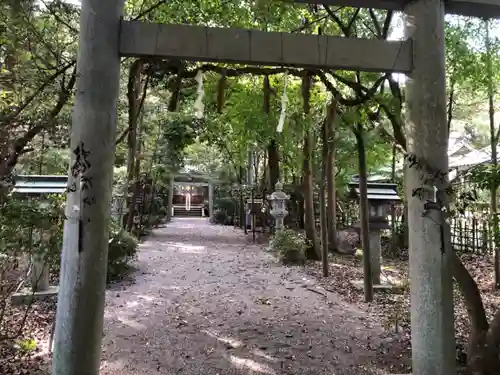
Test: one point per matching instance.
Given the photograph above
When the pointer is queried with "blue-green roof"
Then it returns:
(377, 191)
(40, 184)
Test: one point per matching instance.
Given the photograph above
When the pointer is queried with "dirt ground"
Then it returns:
(206, 301)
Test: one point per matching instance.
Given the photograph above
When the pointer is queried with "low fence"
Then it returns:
(471, 232)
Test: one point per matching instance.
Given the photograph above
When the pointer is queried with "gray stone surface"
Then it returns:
(433, 342)
(375, 255)
(25, 296)
(383, 287)
(256, 47)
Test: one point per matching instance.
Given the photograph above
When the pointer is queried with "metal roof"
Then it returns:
(40, 184)
(377, 192)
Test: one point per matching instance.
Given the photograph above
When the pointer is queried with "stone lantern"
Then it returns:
(278, 203)
(380, 197)
(37, 187)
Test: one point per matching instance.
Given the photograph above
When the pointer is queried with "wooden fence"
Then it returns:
(470, 232)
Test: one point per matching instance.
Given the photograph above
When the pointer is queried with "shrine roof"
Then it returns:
(40, 184)
(376, 192)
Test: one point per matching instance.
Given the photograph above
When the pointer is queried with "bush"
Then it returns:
(122, 250)
(219, 217)
(28, 227)
(226, 204)
(290, 245)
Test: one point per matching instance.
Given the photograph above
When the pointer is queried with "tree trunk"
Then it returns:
(330, 177)
(170, 198)
(255, 167)
(494, 161)
(313, 251)
(301, 212)
(451, 98)
(483, 344)
(80, 306)
(393, 208)
(155, 174)
(133, 92)
(322, 197)
(241, 213)
(136, 178)
(264, 178)
(274, 163)
(364, 214)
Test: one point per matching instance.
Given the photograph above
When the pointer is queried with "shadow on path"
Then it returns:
(206, 302)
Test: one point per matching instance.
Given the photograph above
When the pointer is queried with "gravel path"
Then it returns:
(205, 301)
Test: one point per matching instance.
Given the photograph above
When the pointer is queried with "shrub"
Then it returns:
(226, 204)
(122, 250)
(29, 227)
(219, 217)
(290, 245)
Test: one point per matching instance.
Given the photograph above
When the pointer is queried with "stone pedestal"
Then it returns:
(375, 255)
(40, 289)
(39, 274)
(26, 296)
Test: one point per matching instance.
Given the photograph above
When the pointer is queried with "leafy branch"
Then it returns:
(168, 68)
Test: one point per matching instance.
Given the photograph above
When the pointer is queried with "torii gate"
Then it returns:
(104, 38)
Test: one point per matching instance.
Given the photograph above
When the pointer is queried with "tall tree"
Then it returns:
(330, 130)
(493, 148)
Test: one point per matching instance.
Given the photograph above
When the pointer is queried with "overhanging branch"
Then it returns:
(7, 117)
(251, 70)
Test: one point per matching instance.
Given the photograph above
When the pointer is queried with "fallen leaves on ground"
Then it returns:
(391, 310)
(21, 352)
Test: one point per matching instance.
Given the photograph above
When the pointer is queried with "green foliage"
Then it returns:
(290, 245)
(32, 227)
(206, 158)
(220, 216)
(36, 63)
(177, 133)
(36, 227)
(224, 210)
(122, 250)
(485, 176)
(226, 204)
(26, 345)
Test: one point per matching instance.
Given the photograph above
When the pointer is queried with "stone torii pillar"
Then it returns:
(80, 307)
(433, 342)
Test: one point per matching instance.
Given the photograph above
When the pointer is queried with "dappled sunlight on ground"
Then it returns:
(262, 354)
(225, 340)
(207, 302)
(187, 248)
(245, 363)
